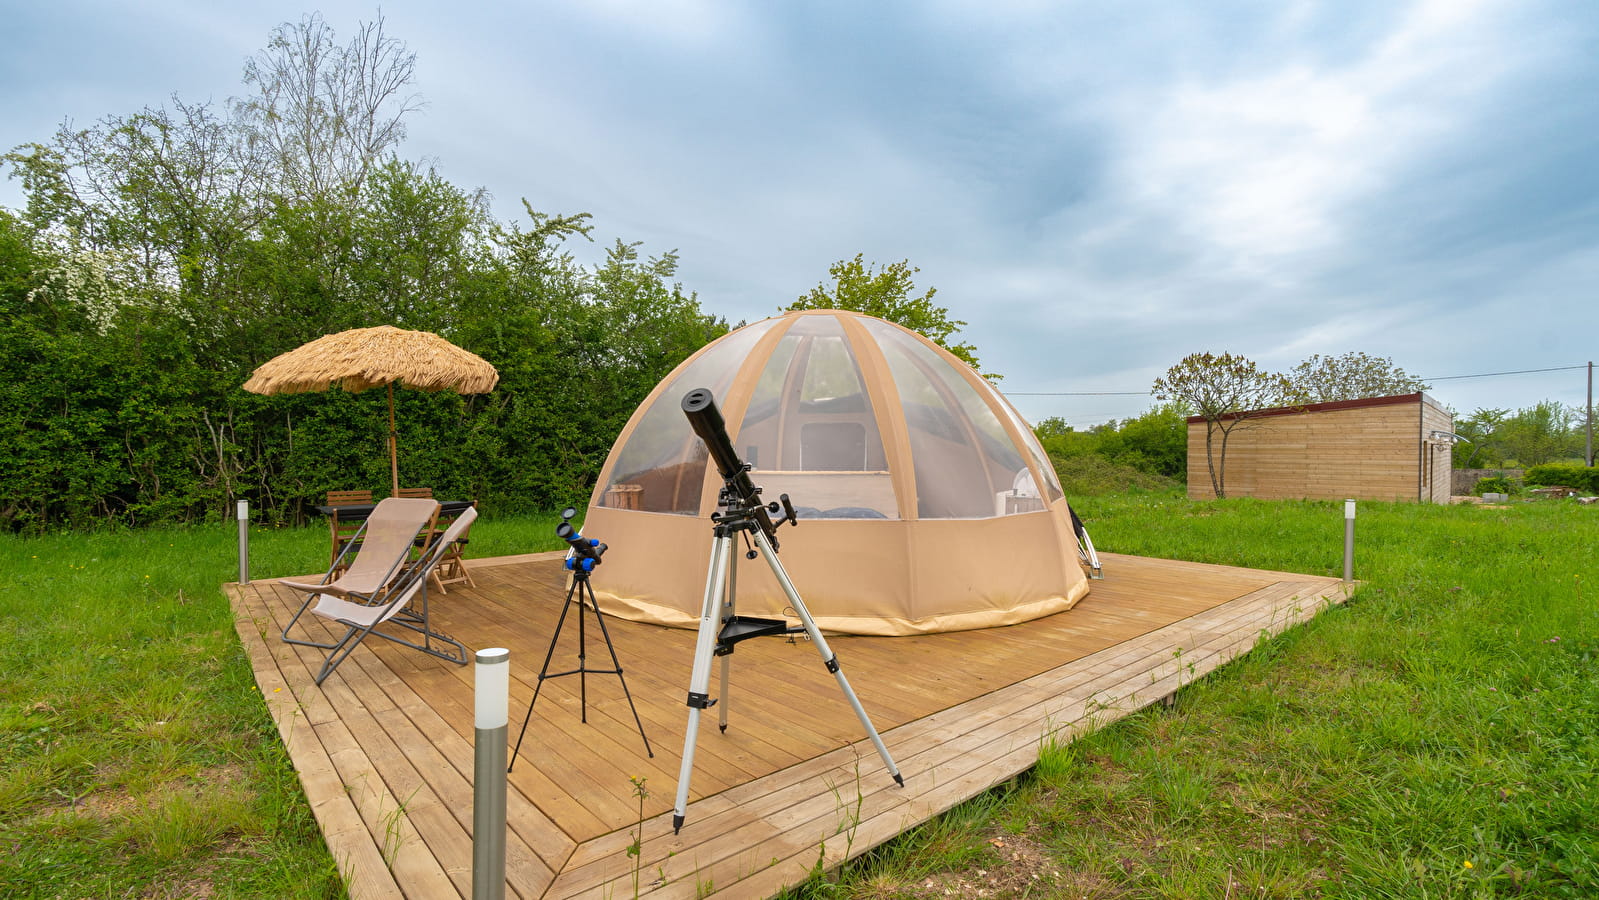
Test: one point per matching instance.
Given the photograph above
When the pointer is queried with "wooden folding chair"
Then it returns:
(343, 531)
(452, 568)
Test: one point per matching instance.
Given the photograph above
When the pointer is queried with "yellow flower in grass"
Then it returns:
(1469, 865)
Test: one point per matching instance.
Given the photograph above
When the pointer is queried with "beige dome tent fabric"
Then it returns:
(925, 503)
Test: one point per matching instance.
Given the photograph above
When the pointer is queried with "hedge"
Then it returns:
(1580, 478)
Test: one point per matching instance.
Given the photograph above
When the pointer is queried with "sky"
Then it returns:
(1097, 189)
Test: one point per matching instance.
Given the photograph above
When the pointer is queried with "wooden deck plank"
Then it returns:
(365, 873)
(960, 712)
(352, 738)
(764, 799)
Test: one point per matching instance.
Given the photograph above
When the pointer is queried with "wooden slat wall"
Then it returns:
(1367, 453)
(1437, 454)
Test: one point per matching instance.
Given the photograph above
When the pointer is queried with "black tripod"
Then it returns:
(585, 556)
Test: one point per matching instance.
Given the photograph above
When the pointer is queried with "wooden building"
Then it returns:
(1380, 448)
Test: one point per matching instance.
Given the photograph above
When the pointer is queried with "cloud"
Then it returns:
(1098, 189)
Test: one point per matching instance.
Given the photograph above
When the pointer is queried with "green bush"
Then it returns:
(1580, 478)
(1496, 484)
(1090, 474)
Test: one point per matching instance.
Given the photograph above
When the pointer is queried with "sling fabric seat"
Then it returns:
(372, 558)
(403, 603)
(379, 548)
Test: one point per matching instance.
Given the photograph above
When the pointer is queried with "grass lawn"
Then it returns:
(1437, 737)
(136, 757)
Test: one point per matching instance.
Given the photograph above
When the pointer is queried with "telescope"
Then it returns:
(721, 627)
(699, 405)
(586, 552)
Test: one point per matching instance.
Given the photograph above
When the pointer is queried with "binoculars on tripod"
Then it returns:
(586, 552)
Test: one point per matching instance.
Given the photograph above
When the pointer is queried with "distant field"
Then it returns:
(1436, 737)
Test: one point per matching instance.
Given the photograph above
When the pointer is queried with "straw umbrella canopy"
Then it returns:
(365, 358)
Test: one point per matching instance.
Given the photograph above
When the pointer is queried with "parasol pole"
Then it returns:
(394, 455)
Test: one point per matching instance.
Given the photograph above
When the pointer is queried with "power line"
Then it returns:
(1496, 374)
(1147, 393)
(1077, 393)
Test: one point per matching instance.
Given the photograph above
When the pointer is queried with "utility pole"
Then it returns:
(1588, 452)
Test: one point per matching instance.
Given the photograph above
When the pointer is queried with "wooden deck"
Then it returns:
(384, 746)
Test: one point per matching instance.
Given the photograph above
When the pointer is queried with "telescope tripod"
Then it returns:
(583, 594)
(721, 628)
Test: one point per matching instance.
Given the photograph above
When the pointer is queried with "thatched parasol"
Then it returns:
(369, 357)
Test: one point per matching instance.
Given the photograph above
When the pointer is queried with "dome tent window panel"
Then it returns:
(1052, 489)
(965, 462)
(661, 465)
(811, 431)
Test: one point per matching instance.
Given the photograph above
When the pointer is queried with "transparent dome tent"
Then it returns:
(925, 502)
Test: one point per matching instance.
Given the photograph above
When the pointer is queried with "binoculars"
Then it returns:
(586, 553)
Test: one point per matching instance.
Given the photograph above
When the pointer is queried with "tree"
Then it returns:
(1228, 391)
(888, 294)
(1061, 440)
(1155, 441)
(1539, 434)
(1353, 376)
(161, 255)
(325, 115)
(1481, 445)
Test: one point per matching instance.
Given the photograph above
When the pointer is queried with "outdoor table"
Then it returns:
(356, 512)
(359, 511)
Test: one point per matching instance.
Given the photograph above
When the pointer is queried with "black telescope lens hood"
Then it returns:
(698, 399)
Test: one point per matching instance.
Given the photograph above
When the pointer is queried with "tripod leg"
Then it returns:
(543, 672)
(700, 680)
(728, 611)
(828, 658)
(616, 664)
(582, 659)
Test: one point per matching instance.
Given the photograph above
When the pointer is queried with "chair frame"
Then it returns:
(340, 565)
(452, 567)
(403, 602)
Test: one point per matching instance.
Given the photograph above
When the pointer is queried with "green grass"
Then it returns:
(1436, 737)
(1448, 715)
(136, 756)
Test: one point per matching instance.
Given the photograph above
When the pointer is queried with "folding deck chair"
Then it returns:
(403, 602)
(373, 556)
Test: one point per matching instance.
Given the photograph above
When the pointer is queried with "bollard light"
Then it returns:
(244, 542)
(491, 712)
(492, 688)
(1349, 541)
